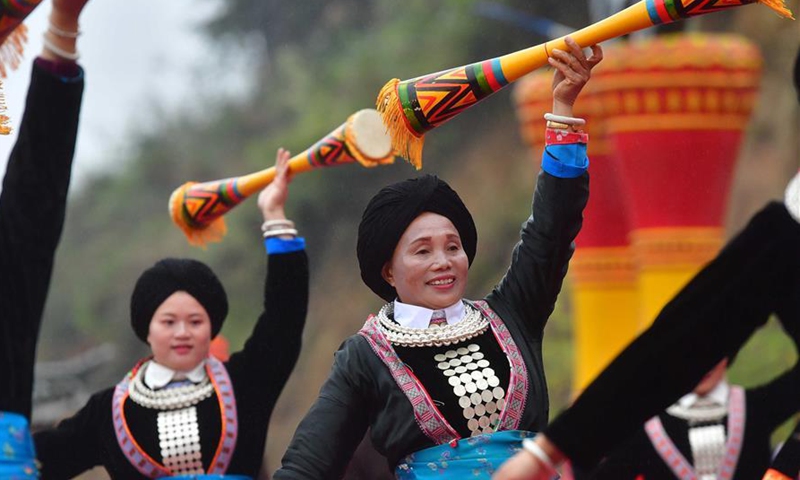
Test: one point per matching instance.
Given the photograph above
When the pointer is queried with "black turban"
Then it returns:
(392, 210)
(172, 275)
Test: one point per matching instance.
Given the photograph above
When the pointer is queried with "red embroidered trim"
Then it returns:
(677, 462)
(427, 415)
(564, 137)
(517, 393)
(227, 406)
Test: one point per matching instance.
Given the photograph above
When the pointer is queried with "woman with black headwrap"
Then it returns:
(182, 411)
(449, 387)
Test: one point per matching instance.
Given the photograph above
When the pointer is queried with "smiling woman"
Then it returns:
(449, 387)
(182, 411)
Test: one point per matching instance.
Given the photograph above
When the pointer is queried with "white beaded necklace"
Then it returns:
(168, 398)
(472, 325)
(695, 415)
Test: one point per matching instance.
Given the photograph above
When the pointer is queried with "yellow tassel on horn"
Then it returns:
(779, 6)
(405, 142)
(212, 232)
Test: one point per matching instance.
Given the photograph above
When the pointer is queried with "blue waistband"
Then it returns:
(475, 457)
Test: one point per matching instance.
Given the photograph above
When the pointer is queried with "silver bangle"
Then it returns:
(62, 33)
(571, 121)
(530, 446)
(59, 51)
(272, 224)
(277, 232)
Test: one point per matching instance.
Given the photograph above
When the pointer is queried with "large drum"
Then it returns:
(677, 107)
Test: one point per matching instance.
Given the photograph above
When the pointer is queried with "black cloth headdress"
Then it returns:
(171, 275)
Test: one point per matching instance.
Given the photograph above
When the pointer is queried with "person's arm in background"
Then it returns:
(33, 201)
(539, 261)
(269, 355)
(712, 317)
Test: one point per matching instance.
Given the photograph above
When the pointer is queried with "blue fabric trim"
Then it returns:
(475, 457)
(76, 79)
(276, 246)
(565, 161)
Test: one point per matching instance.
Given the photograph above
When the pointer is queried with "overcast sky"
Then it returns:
(142, 58)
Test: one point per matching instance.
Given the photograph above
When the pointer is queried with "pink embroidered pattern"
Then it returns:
(230, 426)
(517, 393)
(677, 462)
(428, 417)
(145, 464)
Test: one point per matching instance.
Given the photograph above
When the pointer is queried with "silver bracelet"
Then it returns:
(62, 33)
(571, 121)
(280, 223)
(530, 446)
(59, 51)
(277, 232)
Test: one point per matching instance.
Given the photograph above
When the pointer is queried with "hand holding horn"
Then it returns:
(412, 107)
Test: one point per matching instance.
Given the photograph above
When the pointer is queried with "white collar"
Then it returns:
(158, 376)
(413, 316)
(719, 395)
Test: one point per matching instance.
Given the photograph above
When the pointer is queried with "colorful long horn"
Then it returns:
(410, 108)
(13, 35)
(197, 208)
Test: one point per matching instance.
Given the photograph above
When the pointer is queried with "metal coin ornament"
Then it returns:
(475, 397)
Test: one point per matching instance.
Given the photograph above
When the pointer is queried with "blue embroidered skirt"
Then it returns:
(16, 448)
(475, 457)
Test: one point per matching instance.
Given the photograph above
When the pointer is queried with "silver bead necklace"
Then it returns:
(472, 325)
(168, 398)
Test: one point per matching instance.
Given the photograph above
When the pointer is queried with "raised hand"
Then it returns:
(272, 199)
(572, 71)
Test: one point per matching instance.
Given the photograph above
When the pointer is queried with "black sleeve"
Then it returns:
(711, 318)
(72, 447)
(32, 206)
(787, 461)
(326, 438)
(776, 401)
(539, 260)
(271, 352)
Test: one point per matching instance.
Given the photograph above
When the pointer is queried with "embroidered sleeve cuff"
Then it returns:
(565, 160)
(562, 137)
(68, 72)
(276, 245)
